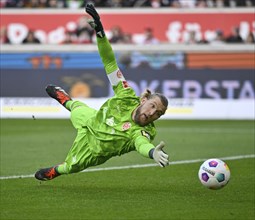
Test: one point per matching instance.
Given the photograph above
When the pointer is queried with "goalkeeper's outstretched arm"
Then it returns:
(104, 47)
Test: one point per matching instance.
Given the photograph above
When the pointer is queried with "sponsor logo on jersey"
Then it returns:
(146, 134)
(110, 121)
(126, 126)
(125, 84)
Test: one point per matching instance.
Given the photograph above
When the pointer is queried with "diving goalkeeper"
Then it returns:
(124, 122)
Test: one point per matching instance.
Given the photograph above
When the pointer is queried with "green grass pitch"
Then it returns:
(152, 193)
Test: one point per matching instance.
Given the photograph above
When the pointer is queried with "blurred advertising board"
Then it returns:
(192, 93)
(168, 25)
(173, 83)
(198, 85)
(37, 108)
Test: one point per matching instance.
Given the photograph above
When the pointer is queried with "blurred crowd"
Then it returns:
(219, 38)
(81, 33)
(74, 4)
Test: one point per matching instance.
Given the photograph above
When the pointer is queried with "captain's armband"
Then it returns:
(115, 77)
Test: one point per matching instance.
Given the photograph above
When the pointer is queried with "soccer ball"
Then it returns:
(214, 174)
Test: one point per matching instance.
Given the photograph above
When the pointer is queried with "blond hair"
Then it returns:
(149, 95)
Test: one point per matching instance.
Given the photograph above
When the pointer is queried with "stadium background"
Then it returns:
(191, 56)
(191, 59)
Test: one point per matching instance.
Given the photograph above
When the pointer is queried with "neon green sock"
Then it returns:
(68, 105)
(61, 168)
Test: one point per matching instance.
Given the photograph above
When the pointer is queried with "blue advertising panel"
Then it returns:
(174, 83)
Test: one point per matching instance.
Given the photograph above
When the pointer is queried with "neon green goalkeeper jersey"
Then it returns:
(112, 130)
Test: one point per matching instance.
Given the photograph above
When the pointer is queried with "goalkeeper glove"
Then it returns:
(159, 155)
(95, 23)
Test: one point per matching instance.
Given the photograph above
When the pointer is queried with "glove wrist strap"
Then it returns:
(99, 29)
(151, 153)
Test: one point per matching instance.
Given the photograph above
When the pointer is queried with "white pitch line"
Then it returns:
(207, 130)
(138, 166)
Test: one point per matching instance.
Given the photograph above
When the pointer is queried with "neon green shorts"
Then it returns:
(80, 157)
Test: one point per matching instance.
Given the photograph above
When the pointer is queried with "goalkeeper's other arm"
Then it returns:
(95, 23)
(159, 155)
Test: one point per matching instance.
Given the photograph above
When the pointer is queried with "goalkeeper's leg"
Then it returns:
(79, 158)
(80, 113)
(59, 94)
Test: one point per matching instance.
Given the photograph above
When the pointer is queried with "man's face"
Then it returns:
(148, 111)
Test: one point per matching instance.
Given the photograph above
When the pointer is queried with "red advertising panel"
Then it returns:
(169, 26)
(220, 60)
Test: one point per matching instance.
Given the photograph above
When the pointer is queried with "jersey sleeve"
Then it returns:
(143, 146)
(107, 55)
(115, 76)
(143, 139)
(122, 89)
